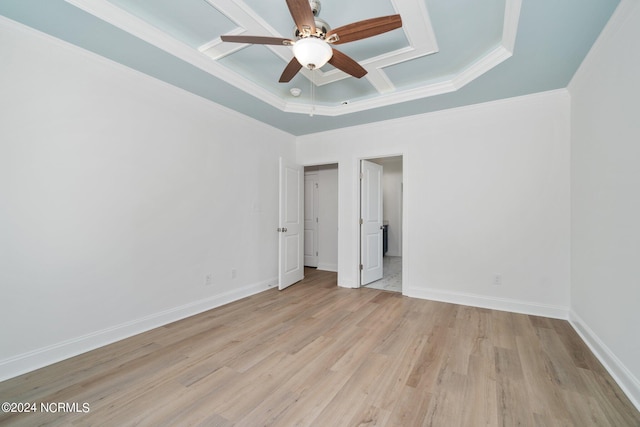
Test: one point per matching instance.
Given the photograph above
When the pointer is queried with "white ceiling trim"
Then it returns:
(414, 15)
(511, 20)
(112, 14)
(418, 30)
(416, 26)
(249, 22)
(481, 66)
(467, 75)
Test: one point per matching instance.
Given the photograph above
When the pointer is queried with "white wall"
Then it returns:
(486, 193)
(605, 181)
(118, 195)
(116, 202)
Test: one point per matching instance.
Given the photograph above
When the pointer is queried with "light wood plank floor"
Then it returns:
(320, 355)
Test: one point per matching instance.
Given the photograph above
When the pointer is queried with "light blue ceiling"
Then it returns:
(550, 39)
(193, 22)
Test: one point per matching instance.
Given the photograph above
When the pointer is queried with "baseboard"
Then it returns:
(494, 303)
(35, 359)
(625, 379)
(328, 267)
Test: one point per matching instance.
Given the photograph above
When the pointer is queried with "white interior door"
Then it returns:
(290, 228)
(370, 222)
(311, 219)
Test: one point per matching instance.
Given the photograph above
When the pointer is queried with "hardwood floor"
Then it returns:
(318, 355)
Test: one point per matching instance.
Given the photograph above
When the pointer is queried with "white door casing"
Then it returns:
(290, 228)
(370, 222)
(311, 201)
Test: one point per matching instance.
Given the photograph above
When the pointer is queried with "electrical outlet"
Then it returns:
(497, 280)
(208, 280)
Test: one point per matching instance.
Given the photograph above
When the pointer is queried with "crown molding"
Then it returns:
(106, 11)
(420, 36)
(511, 21)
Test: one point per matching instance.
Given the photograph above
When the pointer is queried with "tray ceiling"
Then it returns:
(448, 53)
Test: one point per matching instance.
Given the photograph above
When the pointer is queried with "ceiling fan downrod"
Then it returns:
(315, 7)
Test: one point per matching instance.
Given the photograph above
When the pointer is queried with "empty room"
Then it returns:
(319, 213)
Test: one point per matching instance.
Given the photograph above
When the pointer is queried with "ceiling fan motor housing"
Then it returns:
(322, 28)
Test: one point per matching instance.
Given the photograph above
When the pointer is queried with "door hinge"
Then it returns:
(316, 253)
(361, 176)
(361, 267)
(316, 219)
(316, 185)
(361, 221)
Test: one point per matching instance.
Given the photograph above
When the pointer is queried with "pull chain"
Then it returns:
(313, 90)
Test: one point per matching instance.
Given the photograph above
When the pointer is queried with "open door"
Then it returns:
(290, 228)
(370, 222)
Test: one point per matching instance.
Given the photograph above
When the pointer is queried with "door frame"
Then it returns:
(339, 165)
(348, 198)
(403, 210)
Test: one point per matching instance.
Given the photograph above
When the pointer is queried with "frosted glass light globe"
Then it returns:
(312, 52)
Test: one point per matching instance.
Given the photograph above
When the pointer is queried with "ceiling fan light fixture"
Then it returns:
(312, 52)
(314, 39)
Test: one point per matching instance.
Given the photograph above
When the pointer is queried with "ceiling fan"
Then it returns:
(312, 47)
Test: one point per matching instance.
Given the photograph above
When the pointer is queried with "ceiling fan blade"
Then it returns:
(302, 15)
(290, 70)
(257, 40)
(346, 64)
(363, 29)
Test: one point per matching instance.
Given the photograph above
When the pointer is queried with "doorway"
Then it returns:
(321, 217)
(392, 227)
